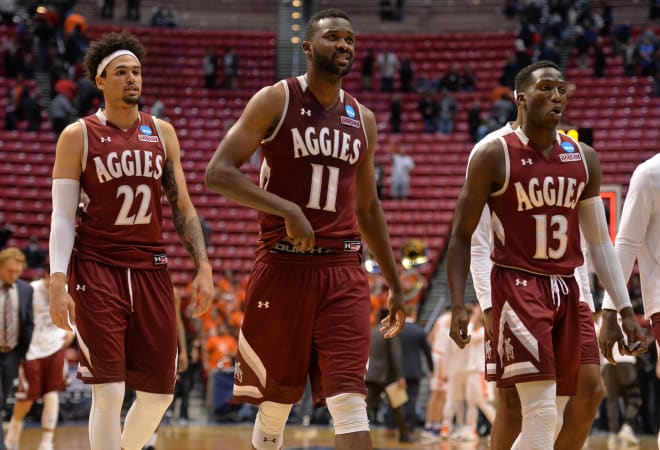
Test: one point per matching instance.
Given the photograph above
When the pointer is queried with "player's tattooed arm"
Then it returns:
(188, 228)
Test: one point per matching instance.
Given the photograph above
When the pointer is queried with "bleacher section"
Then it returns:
(621, 111)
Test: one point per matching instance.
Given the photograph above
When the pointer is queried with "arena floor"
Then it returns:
(237, 437)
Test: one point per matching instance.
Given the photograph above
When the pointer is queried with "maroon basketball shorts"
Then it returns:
(126, 326)
(37, 377)
(305, 315)
(535, 328)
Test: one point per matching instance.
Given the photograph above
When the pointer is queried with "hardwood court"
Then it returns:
(237, 437)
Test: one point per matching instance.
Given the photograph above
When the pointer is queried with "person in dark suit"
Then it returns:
(17, 321)
(384, 368)
(413, 344)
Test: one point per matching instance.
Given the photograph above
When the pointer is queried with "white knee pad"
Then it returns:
(538, 403)
(142, 418)
(50, 411)
(349, 413)
(268, 431)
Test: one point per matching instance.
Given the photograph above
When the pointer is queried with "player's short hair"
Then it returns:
(323, 14)
(524, 77)
(108, 44)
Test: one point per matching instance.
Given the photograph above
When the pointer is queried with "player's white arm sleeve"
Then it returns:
(635, 219)
(603, 257)
(582, 278)
(63, 223)
(480, 263)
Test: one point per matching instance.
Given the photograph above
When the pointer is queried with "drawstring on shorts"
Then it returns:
(557, 287)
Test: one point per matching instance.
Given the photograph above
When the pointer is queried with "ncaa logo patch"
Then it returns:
(567, 147)
(350, 111)
(144, 129)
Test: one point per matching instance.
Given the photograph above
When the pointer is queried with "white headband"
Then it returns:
(116, 54)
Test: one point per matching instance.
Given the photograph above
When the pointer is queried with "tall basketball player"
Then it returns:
(120, 297)
(308, 295)
(542, 189)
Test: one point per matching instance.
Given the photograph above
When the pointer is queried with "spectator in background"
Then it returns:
(428, 108)
(385, 367)
(133, 10)
(35, 255)
(452, 80)
(413, 344)
(210, 67)
(447, 109)
(157, 109)
(645, 51)
(61, 110)
(395, 114)
(468, 78)
(600, 59)
(157, 17)
(367, 71)
(503, 111)
(474, 120)
(43, 371)
(108, 9)
(17, 320)
(402, 165)
(388, 65)
(509, 72)
(75, 45)
(548, 51)
(88, 97)
(379, 174)
(230, 69)
(6, 230)
(406, 74)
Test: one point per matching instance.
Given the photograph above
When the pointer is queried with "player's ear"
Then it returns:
(307, 47)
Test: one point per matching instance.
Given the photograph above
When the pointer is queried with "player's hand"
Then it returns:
(636, 338)
(182, 366)
(610, 334)
(62, 308)
(394, 322)
(203, 291)
(488, 321)
(298, 230)
(460, 318)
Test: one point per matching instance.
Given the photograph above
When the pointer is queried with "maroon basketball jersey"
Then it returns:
(122, 171)
(534, 215)
(312, 159)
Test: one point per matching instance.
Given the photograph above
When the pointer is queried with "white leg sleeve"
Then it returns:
(142, 418)
(50, 411)
(539, 414)
(268, 431)
(349, 413)
(104, 416)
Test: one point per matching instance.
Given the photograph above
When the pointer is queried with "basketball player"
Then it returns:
(637, 239)
(308, 295)
(541, 188)
(42, 373)
(581, 408)
(120, 297)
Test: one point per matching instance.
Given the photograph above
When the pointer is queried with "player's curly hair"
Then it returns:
(109, 43)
